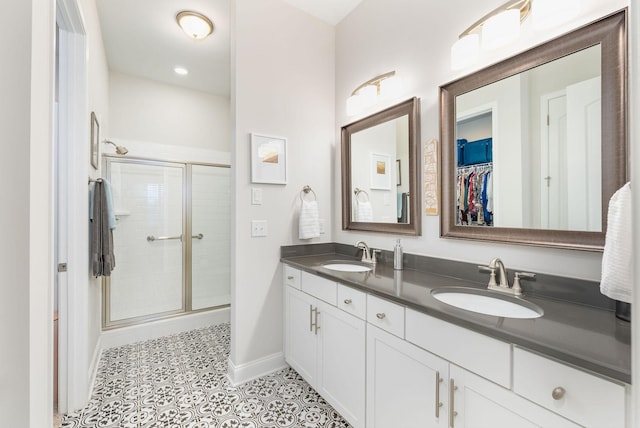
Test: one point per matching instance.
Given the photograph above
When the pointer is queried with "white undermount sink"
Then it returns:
(345, 266)
(487, 302)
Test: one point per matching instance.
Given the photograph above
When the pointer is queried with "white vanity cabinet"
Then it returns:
(479, 403)
(421, 371)
(326, 345)
(406, 385)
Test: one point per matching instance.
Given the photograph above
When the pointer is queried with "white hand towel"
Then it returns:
(364, 212)
(309, 226)
(617, 277)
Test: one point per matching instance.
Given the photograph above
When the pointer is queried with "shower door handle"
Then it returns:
(152, 238)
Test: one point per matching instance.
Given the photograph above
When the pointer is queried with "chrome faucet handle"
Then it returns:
(517, 289)
(374, 259)
(492, 274)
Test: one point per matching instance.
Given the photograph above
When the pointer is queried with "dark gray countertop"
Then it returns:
(588, 337)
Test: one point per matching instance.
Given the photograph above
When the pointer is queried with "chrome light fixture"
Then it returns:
(502, 25)
(384, 86)
(195, 25)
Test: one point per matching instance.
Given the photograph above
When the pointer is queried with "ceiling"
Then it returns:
(141, 38)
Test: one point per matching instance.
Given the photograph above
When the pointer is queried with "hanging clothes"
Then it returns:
(474, 195)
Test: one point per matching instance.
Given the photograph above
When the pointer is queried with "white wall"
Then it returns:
(415, 40)
(26, 315)
(97, 101)
(283, 68)
(142, 109)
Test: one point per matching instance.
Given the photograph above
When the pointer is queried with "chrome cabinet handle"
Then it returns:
(347, 301)
(558, 393)
(438, 403)
(380, 315)
(452, 412)
(289, 278)
(315, 325)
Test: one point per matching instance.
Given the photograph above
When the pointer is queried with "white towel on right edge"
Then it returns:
(617, 275)
(364, 212)
(309, 226)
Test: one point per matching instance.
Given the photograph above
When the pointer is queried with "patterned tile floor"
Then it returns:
(180, 381)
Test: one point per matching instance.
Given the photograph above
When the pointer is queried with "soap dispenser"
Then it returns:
(397, 256)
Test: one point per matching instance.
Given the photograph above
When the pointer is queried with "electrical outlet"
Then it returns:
(258, 228)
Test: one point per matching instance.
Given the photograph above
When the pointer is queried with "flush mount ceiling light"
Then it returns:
(502, 25)
(181, 71)
(194, 24)
(384, 86)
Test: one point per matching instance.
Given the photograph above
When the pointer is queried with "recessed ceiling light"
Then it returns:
(194, 24)
(181, 71)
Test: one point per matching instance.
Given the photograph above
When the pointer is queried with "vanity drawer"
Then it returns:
(352, 301)
(385, 315)
(483, 355)
(292, 276)
(582, 397)
(321, 288)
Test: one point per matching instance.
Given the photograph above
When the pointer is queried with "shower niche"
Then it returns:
(171, 242)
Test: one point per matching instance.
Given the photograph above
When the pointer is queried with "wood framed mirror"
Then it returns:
(535, 146)
(380, 171)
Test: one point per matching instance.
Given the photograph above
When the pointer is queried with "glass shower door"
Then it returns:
(149, 275)
(210, 231)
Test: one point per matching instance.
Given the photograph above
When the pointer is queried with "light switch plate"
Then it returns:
(258, 228)
(256, 196)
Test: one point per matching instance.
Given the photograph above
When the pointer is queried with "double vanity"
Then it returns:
(392, 347)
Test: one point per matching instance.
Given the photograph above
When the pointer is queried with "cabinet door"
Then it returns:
(406, 386)
(479, 403)
(301, 335)
(341, 362)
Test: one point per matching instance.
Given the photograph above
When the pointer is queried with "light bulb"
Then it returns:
(500, 29)
(465, 51)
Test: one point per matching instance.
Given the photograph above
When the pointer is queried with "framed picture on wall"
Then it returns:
(95, 141)
(268, 159)
(380, 171)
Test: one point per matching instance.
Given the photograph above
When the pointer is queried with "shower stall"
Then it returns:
(171, 242)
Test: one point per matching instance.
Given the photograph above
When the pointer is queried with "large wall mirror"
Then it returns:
(380, 167)
(535, 146)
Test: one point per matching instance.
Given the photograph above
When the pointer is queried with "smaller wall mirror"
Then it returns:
(380, 167)
(535, 146)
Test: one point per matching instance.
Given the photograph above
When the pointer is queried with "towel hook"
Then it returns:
(306, 190)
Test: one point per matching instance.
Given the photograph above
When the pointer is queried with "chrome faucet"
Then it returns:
(368, 255)
(496, 269)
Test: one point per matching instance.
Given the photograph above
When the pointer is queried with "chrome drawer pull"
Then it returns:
(438, 403)
(558, 393)
(380, 315)
(289, 278)
(452, 412)
(347, 301)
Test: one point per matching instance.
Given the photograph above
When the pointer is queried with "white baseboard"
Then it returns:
(257, 368)
(93, 366)
(154, 329)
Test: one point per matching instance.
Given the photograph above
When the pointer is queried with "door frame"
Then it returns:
(71, 173)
